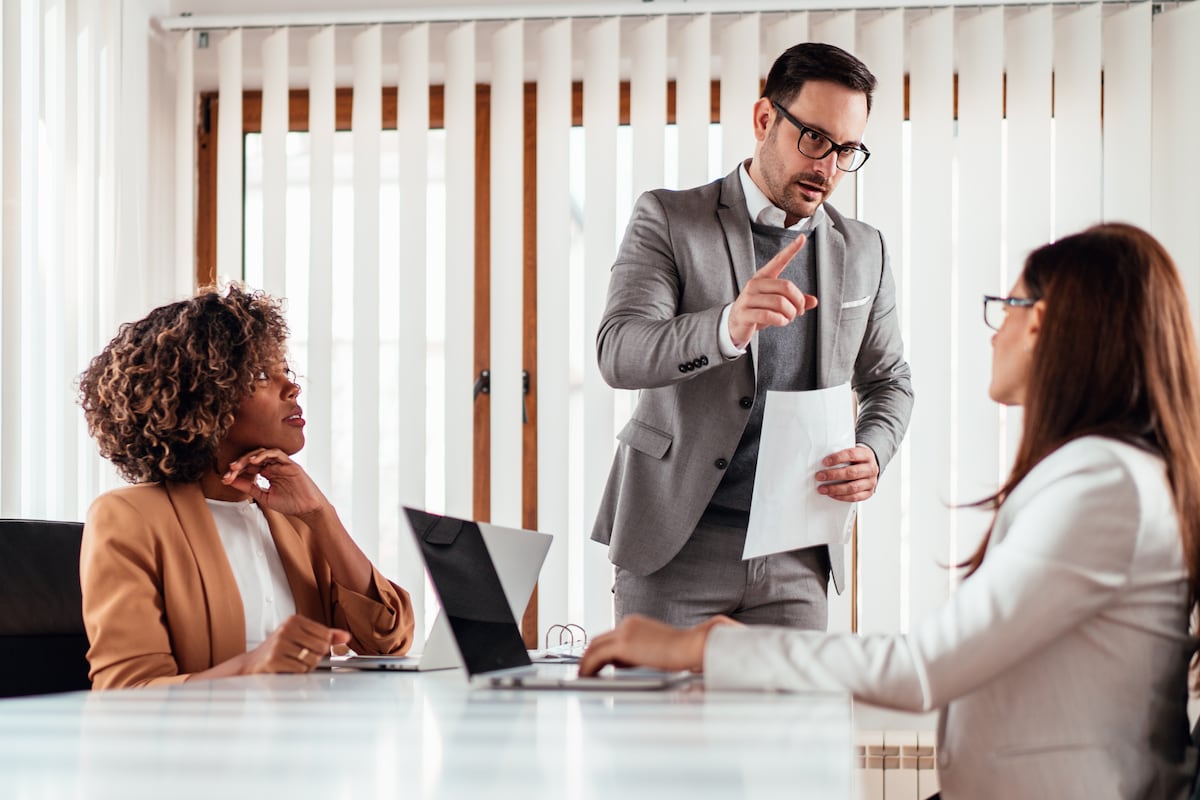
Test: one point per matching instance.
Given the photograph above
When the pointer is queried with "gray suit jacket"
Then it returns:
(1059, 667)
(685, 256)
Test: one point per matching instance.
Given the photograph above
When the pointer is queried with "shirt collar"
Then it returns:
(764, 212)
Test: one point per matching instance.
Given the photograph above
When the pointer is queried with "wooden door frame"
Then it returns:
(298, 109)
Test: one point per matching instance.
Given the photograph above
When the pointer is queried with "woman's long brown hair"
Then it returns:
(1115, 356)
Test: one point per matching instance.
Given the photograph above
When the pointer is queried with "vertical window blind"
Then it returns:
(994, 130)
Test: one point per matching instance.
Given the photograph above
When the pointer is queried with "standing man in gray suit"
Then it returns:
(718, 294)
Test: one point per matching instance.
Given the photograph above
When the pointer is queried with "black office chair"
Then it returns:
(43, 645)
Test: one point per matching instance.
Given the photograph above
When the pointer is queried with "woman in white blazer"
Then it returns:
(1060, 664)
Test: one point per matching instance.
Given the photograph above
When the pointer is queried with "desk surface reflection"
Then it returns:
(362, 734)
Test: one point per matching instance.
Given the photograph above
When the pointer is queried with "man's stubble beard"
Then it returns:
(782, 186)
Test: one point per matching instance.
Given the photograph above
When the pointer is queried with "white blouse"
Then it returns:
(266, 596)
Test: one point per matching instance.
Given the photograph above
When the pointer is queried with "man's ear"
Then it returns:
(762, 118)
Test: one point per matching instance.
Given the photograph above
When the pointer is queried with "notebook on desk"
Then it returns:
(482, 621)
(517, 556)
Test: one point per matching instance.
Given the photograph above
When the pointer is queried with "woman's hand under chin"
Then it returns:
(290, 490)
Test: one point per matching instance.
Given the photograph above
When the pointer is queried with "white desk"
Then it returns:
(366, 736)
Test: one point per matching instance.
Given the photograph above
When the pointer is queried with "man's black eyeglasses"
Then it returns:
(816, 145)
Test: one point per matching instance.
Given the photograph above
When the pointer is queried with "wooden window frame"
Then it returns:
(298, 107)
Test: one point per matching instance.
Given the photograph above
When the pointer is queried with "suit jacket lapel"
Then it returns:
(735, 222)
(297, 565)
(831, 270)
(226, 614)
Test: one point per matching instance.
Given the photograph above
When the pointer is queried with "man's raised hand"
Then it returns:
(768, 300)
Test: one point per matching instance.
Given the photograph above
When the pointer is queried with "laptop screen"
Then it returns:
(470, 592)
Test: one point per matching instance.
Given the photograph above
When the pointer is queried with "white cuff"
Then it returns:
(724, 340)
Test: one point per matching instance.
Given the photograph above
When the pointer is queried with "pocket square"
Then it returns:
(862, 301)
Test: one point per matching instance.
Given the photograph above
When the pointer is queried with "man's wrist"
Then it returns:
(725, 338)
(872, 449)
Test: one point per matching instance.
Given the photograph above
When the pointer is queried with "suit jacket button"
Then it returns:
(696, 363)
(704, 361)
(720, 463)
(745, 402)
(683, 367)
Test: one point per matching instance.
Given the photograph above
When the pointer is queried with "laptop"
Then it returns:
(482, 621)
(517, 556)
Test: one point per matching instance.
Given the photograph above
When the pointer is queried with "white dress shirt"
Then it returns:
(764, 212)
(266, 596)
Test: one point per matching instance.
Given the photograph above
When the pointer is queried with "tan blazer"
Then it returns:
(1059, 667)
(160, 600)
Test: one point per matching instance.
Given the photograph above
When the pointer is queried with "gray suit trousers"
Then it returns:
(709, 577)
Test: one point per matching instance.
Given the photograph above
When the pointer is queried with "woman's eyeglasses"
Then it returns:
(263, 377)
(995, 309)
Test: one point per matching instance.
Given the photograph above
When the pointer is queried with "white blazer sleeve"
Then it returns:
(1061, 552)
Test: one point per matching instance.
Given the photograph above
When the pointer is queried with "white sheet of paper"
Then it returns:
(799, 430)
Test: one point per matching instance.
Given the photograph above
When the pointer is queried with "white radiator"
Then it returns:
(896, 765)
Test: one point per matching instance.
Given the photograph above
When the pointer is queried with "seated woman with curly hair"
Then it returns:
(224, 558)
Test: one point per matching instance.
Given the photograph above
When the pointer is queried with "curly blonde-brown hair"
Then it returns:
(163, 393)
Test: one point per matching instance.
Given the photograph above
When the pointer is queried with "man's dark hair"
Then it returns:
(816, 61)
